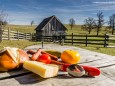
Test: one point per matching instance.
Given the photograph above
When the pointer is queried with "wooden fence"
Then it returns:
(78, 39)
(87, 39)
(104, 40)
(111, 41)
(15, 35)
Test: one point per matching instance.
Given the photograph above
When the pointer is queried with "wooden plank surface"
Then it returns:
(13, 73)
(27, 78)
(33, 79)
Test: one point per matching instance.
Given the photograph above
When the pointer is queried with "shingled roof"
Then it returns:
(45, 22)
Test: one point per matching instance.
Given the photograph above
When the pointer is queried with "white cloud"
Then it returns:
(105, 6)
(75, 10)
(108, 2)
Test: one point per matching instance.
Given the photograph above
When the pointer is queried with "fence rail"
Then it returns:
(104, 40)
(15, 35)
(87, 39)
(111, 41)
(78, 39)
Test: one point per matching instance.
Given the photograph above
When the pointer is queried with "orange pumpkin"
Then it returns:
(7, 62)
(12, 58)
(70, 56)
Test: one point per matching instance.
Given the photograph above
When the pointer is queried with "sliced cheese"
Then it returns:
(44, 70)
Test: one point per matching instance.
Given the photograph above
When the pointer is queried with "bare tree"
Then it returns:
(32, 22)
(3, 21)
(89, 24)
(112, 23)
(3, 18)
(99, 22)
(109, 24)
(71, 23)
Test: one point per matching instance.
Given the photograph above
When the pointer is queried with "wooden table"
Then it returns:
(106, 64)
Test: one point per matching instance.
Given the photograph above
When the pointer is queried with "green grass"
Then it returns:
(76, 30)
(100, 49)
(24, 43)
(22, 28)
(19, 44)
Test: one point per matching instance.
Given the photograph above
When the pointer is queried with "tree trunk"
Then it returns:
(89, 31)
(0, 34)
(97, 31)
(71, 27)
(113, 31)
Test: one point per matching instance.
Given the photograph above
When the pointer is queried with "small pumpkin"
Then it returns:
(70, 56)
(7, 62)
(12, 58)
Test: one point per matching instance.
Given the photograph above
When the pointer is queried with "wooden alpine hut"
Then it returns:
(50, 26)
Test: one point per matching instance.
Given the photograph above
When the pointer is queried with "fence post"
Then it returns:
(105, 41)
(36, 37)
(17, 34)
(25, 36)
(86, 40)
(1, 31)
(8, 33)
(72, 38)
(30, 36)
(60, 39)
(42, 41)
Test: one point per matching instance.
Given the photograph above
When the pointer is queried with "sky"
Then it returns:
(22, 12)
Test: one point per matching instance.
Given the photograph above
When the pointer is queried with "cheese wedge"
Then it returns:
(42, 69)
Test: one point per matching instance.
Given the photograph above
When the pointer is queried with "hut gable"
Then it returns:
(50, 26)
(43, 23)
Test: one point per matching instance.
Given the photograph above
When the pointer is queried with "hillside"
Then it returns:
(22, 28)
(76, 29)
